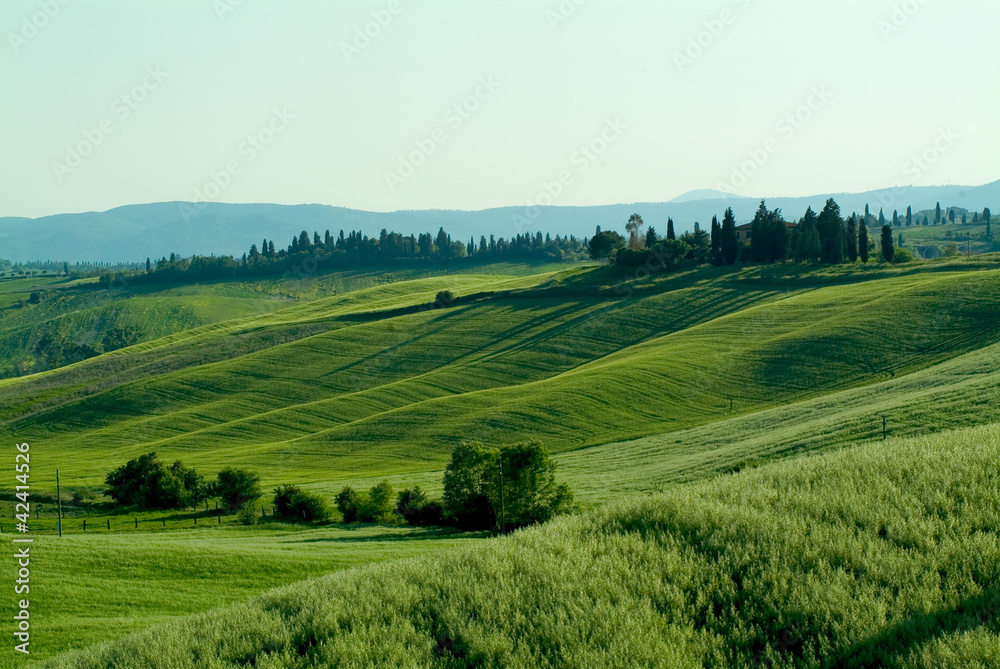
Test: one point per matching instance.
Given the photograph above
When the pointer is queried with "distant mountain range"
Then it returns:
(135, 232)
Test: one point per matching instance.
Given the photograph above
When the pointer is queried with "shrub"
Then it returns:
(236, 487)
(145, 481)
(901, 256)
(444, 299)
(292, 502)
(248, 514)
(347, 503)
(507, 488)
(378, 506)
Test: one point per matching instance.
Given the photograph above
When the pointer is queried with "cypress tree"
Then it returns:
(810, 245)
(149, 266)
(887, 249)
(716, 242)
(670, 229)
(730, 246)
(881, 217)
(831, 233)
(909, 216)
(852, 238)
(937, 214)
(987, 215)
(895, 218)
(863, 242)
(760, 241)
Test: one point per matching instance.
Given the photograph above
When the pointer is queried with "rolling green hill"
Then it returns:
(882, 555)
(637, 383)
(371, 384)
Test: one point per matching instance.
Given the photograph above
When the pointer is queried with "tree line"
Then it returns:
(497, 489)
(310, 253)
(827, 237)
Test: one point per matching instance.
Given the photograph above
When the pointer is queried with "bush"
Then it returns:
(378, 506)
(347, 503)
(292, 502)
(902, 256)
(248, 514)
(444, 299)
(414, 507)
(146, 482)
(236, 487)
(505, 489)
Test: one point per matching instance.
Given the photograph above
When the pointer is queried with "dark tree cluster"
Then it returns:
(484, 489)
(150, 484)
(328, 252)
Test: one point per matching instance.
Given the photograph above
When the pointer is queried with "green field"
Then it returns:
(638, 384)
(881, 555)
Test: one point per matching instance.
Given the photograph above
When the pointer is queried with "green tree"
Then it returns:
(760, 241)
(951, 216)
(670, 229)
(466, 501)
(633, 227)
(987, 216)
(830, 226)
(887, 248)
(380, 505)
(604, 245)
(292, 502)
(937, 214)
(909, 216)
(650, 237)
(730, 245)
(235, 487)
(895, 218)
(809, 245)
(523, 487)
(863, 242)
(716, 235)
(125, 484)
(852, 238)
(348, 503)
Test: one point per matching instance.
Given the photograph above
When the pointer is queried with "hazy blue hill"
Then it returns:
(135, 232)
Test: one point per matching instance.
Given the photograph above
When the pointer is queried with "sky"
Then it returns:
(421, 104)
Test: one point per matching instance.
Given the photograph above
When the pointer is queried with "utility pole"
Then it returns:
(59, 502)
(503, 512)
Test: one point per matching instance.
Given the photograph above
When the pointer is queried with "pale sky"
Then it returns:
(107, 103)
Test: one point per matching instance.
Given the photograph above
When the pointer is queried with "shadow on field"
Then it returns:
(892, 645)
(417, 535)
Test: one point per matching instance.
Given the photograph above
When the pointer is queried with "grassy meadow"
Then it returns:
(735, 397)
(884, 554)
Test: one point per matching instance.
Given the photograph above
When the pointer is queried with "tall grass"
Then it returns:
(881, 555)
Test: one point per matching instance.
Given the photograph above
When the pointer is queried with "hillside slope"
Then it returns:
(367, 386)
(882, 555)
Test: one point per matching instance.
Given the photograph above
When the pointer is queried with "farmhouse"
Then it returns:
(743, 232)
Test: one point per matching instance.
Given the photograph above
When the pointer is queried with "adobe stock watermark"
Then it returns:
(365, 36)
(704, 40)
(582, 159)
(917, 166)
(902, 14)
(121, 108)
(248, 151)
(224, 8)
(33, 24)
(787, 127)
(454, 118)
(566, 10)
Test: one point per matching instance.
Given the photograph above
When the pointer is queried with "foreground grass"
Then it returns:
(93, 587)
(881, 555)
